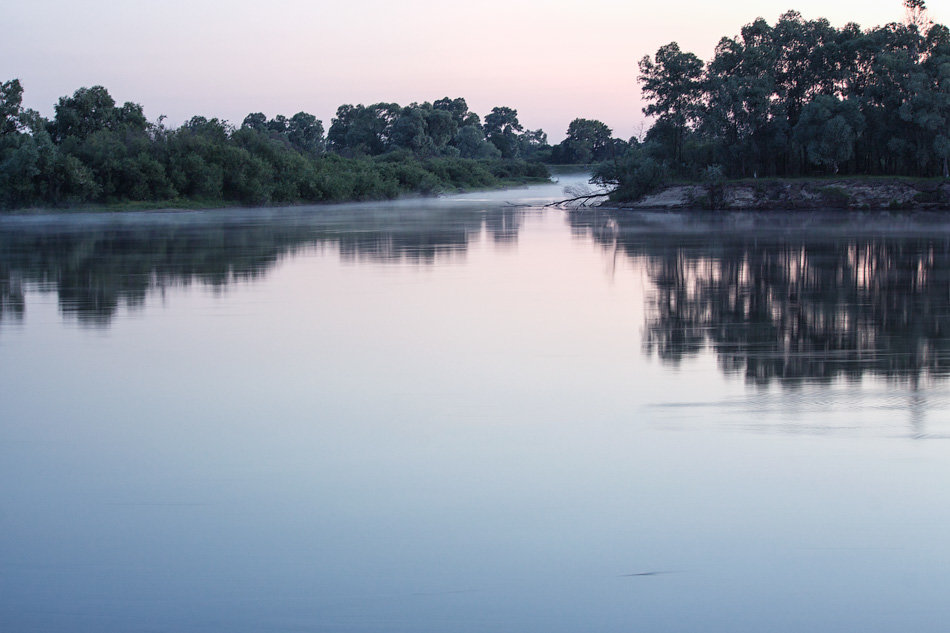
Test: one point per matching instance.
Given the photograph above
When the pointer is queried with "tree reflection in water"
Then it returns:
(786, 298)
(97, 262)
(791, 298)
(12, 301)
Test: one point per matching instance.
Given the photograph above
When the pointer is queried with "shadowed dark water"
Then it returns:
(474, 414)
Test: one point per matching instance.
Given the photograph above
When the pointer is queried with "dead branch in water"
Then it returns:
(579, 196)
(582, 201)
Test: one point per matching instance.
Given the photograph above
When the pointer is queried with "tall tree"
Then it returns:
(501, 129)
(587, 140)
(11, 99)
(827, 130)
(305, 133)
(672, 82)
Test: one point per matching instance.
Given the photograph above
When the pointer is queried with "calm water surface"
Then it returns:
(474, 414)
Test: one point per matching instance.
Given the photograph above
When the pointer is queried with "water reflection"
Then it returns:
(476, 445)
(97, 263)
(801, 298)
(12, 302)
(783, 299)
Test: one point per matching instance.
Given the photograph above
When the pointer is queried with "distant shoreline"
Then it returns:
(186, 204)
(792, 194)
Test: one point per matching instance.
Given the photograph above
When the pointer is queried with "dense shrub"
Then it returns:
(96, 151)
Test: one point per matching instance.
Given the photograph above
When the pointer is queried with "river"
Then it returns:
(474, 413)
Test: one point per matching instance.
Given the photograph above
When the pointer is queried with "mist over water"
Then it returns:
(473, 413)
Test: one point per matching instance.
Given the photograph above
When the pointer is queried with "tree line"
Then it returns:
(797, 98)
(95, 150)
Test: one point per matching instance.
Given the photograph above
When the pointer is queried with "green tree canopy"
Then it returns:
(672, 82)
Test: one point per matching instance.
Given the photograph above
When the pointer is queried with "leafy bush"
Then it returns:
(632, 177)
(96, 151)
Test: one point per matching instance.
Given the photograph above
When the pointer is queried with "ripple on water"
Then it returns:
(872, 407)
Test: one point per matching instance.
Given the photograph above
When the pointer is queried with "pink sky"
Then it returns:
(552, 60)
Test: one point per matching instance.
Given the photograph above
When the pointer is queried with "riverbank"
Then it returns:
(198, 204)
(798, 194)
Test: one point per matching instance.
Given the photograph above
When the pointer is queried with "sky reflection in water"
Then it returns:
(462, 415)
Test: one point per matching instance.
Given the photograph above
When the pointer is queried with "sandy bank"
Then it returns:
(765, 194)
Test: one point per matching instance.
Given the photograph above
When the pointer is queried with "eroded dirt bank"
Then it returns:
(765, 194)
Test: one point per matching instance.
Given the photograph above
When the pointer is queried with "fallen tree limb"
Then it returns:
(582, 201)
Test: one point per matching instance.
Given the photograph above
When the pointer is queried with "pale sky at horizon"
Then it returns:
(552, 60)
